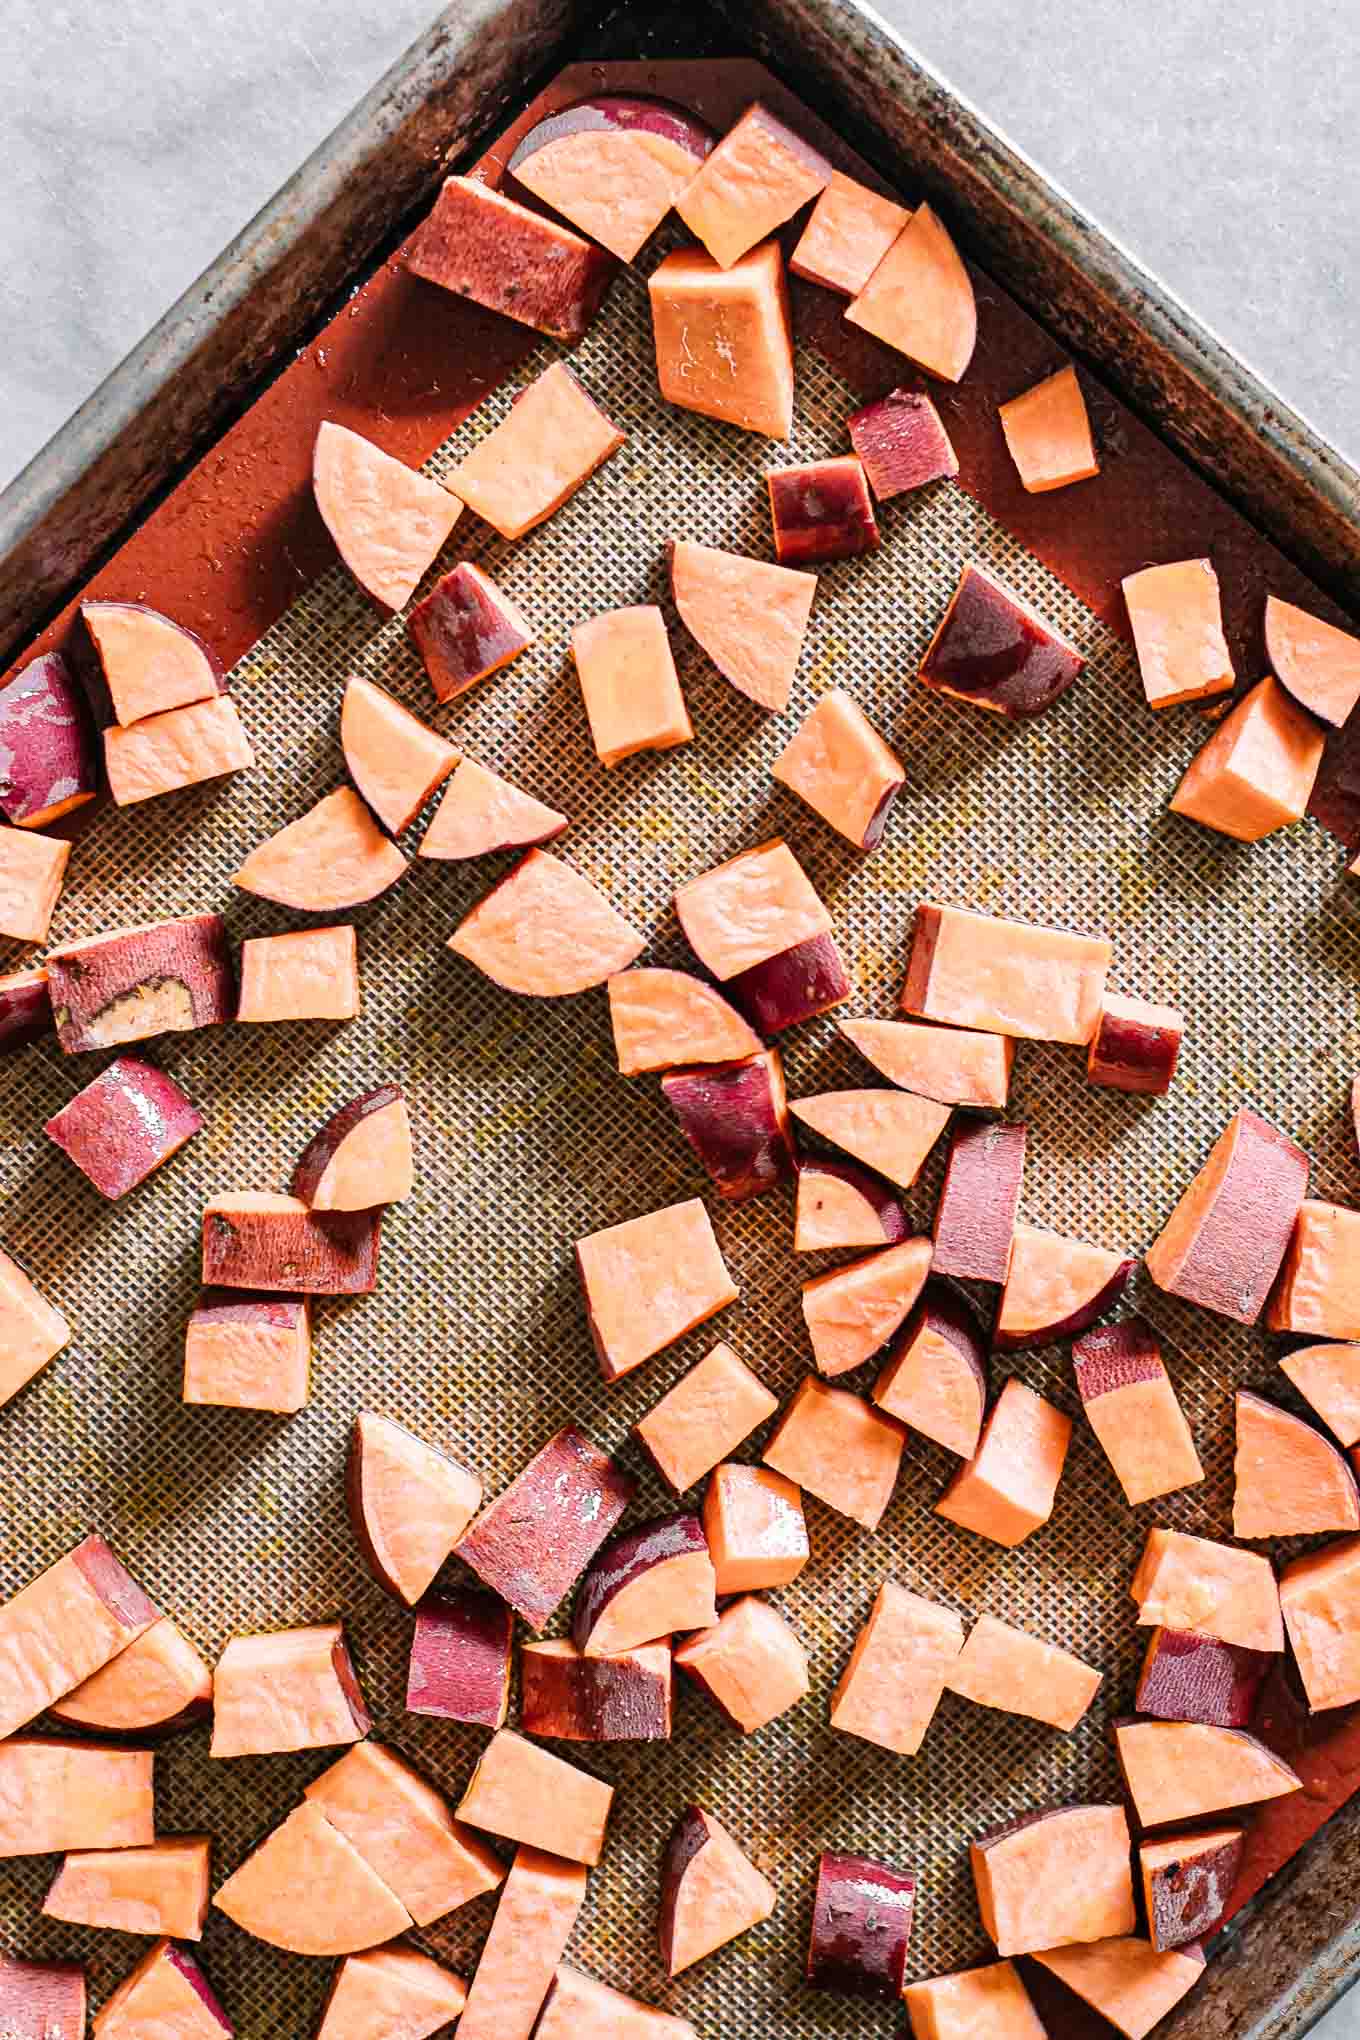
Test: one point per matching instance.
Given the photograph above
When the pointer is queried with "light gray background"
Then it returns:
(138, 136)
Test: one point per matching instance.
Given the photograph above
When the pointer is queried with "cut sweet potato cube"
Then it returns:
(248, 1352)
(390, 1990)
(840, 1205)
(625, 1697)
(1319, 1287)
(749, 1662)
(1289, 1481)
(1007, 1490)
(735, 1116)
(534, 1918)
(394, 759)
(710, 1891)
(976, 2004)
(1055, 1877)
(647, 1584)
(1056, 1287)
(891, 1131)
(578, 2005)
(32, 1331)
(162, 1888)
(1187, 1677)
(759, 176)
(311, 974)
(180, 747)
(723, 338)
(1177, 623)
(852, 1312)
(43, 2000)
(255, 1239)
(156, 1686)
(166, 1993)
(1126, 1980)
(613, 165)
(32, 868)
(124, 1125)
(750, 617)
(897, 1671)
(545, 931)
(1132, 1408)
(48, 762)
(525, 1793)
(482, 813)
(629, 684)
(994, 651)
(533, 1542)
(334, 856)
(851, 230)
(1136, 1045)
(902, 443)
(547, 445)
(648, 1281)
(664, 1018)
(73, 1795)
(975, 1217)
(405, 1831)
(704, 1418)
(1320, 1597)
(920, 299)
(461, 1658)
(147, 662)
(1328, 1377)
(1006, 1668)
(388, 520)
(290, 1689)
(822, 510)
(755, 1528)
(360, 1157)
(482, 245)
(466, 629)
(840, 1449)
(1006, 977)
(408, 1504)
(794, 985)
(1048, 433)
(1257, 770)
(1226, 1241)
(166, 977)
(1317, 663)
(63, 1626)
(307, 1889)
(935, 1381)
(1180, 1770)
(1187, 1883)
(954, 1065)
(1185, 1582)
(861, 1927)
(841, 767)
(25, 1009)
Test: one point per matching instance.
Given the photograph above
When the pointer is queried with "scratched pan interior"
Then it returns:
(528, 1138)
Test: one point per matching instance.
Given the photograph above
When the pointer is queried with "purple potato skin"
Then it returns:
(861, 1926)
(49, 762)
(103, 1571)
(1129, 1055)
(1186, 1899)
(945, 1311)
(822, 511)
(194, 952)
(608, 1699)
(878, 820)
(795, 985)
(25, 1010)
(535, 1540)
(1066, 1328)
(321, 1149)
(44, 2000)
(184, 1962)
(990, 652)
(688, 1838)
(627, 1559)
(902, 443)
(517, 263)
(124, 1125)
(460, 1658)
(1188, 1677)
(884, 1206)
(461, 634)
(611, 113)
(315, 1253)
(1115, 1357)
(975, 1220)
(735, 1117)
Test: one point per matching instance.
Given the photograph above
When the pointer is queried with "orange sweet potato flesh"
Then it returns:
(1185, 1582)
(1049, 434)
(578, 2007)
(665, 1018)
(704, 1418)
(159, 1681)
(545, 931)
(1319, 664)
(749, 908)
(387, 520)
(890, 1131)
(149, 662)
(1328, 1377)
(724, 343)
(395, 1991)
(710, 1892)
(248, 1352)
(308, 1890)
(613, 166)
(549, 442)
(1005, 977)
(32, 868)
(370, 1162)
(1319, 1287)
(1004, 1668)
(756, 1531)
(851, 230)
(394, 759)
(1126, 1980)
(840, 1449)
(482, 813)
(852, 1311)
(159, 1889)
(1056, 1286)
(628, 682)
(920, 300)
(405, 1832)
(57, 1795)
(977, 2004)
(956, 1065)
(1055, 1877)
(1180, 1770)
(182, 747)
(166, 1994)
(749, 616)
(411, 1502)
(537, 1911)
(759, 176)
(527, 1794)
(935, 1380)
(63, 1626)
(1290, 1481)
(1224, 1243)
(649, 1280)
(290, 1689)
(312, 974)
(1257, 770)
(837, 762)
(333, 857)
(1320, 1597)
(898, 1670)
(32, 1331)
(1007, 1490)
(1177, 623)
(749, 1662)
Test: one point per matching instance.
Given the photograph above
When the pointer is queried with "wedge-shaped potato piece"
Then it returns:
(43, 2000)
(32, 1331)
(1226, 1240)
(710, 1892)
(648, 1583)
(840, 1449)
(390, 1990)
(1185, 1582)
(993, 650)
(526, 1793)
(1187, 1883)
(1056, 1287)
(482, 245)
(160, 1889)
(466, 629)
(147, 662)
(902, 443)
(394, 759)
(532, 1543)
(1290, 1481)
(935, 1381)
(664, 1018)
(1328, 1377)
(1005, 977)
(851, 230)
(308, 1890)
(628, 683)
(537, 1910)
(461, 1658)
(1136, 1045)
(1317, 663)
(626, 1697)
(482, 813)
(578, 2005)
(48, 762)
(255, 1239)
(755, 1527)
(1009, 1669)
(750, 618)
(976, 2004)
(166, 1993)
(63, 1626)
(409, 1504)
(1177, 620)
(613, 165)
(861, 1927)
(954, 1065)
(405, 1831)
(156, 1686)
(1126, 1980)
(290, 1689)
(1319, 1287)
(735, 1116)
(545, 931)
(704, 1418)
(1131, 1406)
(180, 747)
(547, 445)
(852, 1312)
(311, 974)
(754, 906)
(1189, 1677)
(648, 1281)
(897, 1671)
(841, 767)
(891, 1131)
(248, 1352)
(124, 1125)
(388, 520)
(841, 1205)
(1181, 1770)
(1320, 1597)
(750, 1663)
(334, 856)
(165, 977)
(759, 176)
(920, 299)
(724, 340)
(360, 1157)
(32, 868)
(57, 1795)
(1257, 770)
(1007, 1490)
(1048, 433)
(1054, 1877)
(822, 510)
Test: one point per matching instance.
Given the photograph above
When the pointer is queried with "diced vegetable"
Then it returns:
(32, 1331)
(466, 629)
(794, 985)
(1328, 1377)
(613, 165)
(839, 1205)
(307, 1889)
(648, 1281)
(360, 1157)
(841, 767)
(32, 868)
(545, 931)
(159, 1889)
(1006, 1668)
(724, 342)
(48, 762)
(124, 1125)
(628, 683)
(157, 1685)
(1126, 1980)
(1056, 1287)
(750, 1662)
(1314, 661)
(897, 1671)
(258, 1240)
(955, 1065)
(1185, 1582)
(404, 1831)
(528, 1795)
(759, 176)
(708, 1413)
(851, 230)
(822, 510)
(1048, 433)
(43, 2000)
(1320, 1599)
(1136, 1045)
(902, 443)
(1257, 770)
(1180, 1770)
(533, 1923)
(461, 1658)
(1318, 1292)
(147, 662)
(1055, 1877)
(409, 1504)
(975, 1217)
(1177, 623)
(578, 2005)
(663, 1018)
(1007, 1490)
(390, 1990)
(533, 1542)
(1289, 1481)
(710, 1892)
(1188, 1677)
(335, 856)
(1006, 977)
(57, 1795)
(388, 520)
(1187, 1882)
(166, 1993)
(755, 1528)
(482, 245)
(840, 1449)
(548, 444)
(735, 1117)
(289, 1689)
(64, 1625)
(180, 747)
(750, 617)
(394, 759)
(920, 299)
(977, 2004)
(624, 1697)
(481, 813)
(645, 1585)
(852, 1312)
(248, 1352)
(164, 978)
(1131, 1406)
(935, 1381)
(891, 1131)
(25, 1009)
(311, 974)
(1226, 1240)
(993, 650)
(861, 1927)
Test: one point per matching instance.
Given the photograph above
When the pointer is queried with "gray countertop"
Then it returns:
(138, 137)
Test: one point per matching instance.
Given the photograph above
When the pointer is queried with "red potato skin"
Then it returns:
(177, 1957)
(627, 1559)
(1115, 1357)
(464, 630)
(902, 443)
(988, 651)
(975, 1221)
(1127, 1054)
(460, 1658)
(42, 2000)
(99, 992)
(332, 1253)
(49, 764)
(1186, 1899)
(25, 1009)
(511, 260)
(735, 1117)
(321, 1149)
(795, 985)
(861, 1927)
(1188, 1677)
(821, 511)
(885, 1208)
(535, 1540)
(124, 1125)
(623, 1698)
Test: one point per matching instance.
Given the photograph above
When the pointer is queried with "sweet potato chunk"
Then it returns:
(578, 2005)
(935, 1381)
(248, 1352)
(25, 1009)
(408, 1504)
(32, 1331)
(646, 1584)
(32, 868)
(155, 1686)
(63, 1626)
(755, 1528)
(920, 300)
(613, 165)
(1005, 977)
(48, 764)
(533, 1923)
(1187, 1677)
(43, 2000)
(759, 176)
(1054, 1877)
(545, 931)
(147, 662)
(461, 1658)
(481, 813)
(482, 245)
(628, 683)
(822, 510)
(891, 1131)
(73, 1795)
(535, 1540)
(749, 1662)
(1187, 1882)
(390, 1990)
(851, 230)
(388, 520)
(394, 759)
(840, 1205)
(1256, 772)
(405, 1832)
(1290, 1481)
(724, 342)
(180, 747)
(1328, 1377)
(841, 767)
(1185, 1582)
(704, 1418)
(861, 1927)
(120, 1128)
(954, 1065)
(1132, 1408)
(159, 1889)
(1126, 1980)
(255, 1239)
(754, 906)
(1178, 632)
(1314, 661)
(1319, 1287)
(710, 1892)
(334, 856)
(311, 974)
(1048, 433)
(663, 1018)
(307, 1889)
(750, 618)
(1180, 1770)
(1007, 1490)
(625, 1697)
(993, 650)
(466, 629)
(795, 984)
(902, 443)
(547, 445)
(166, 1993)
(290, 1689)
(976, 2004)
(1320, 1597)
(975, 1217)
(851, 1312)
(897, 1671)
(840, 1449)
(526, 1793)
(1056, 1287)
(648, 1281)
(1006, 1668)
(1225, 1242)
(166, 977)
(1136, 1045)
(360, 1157)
